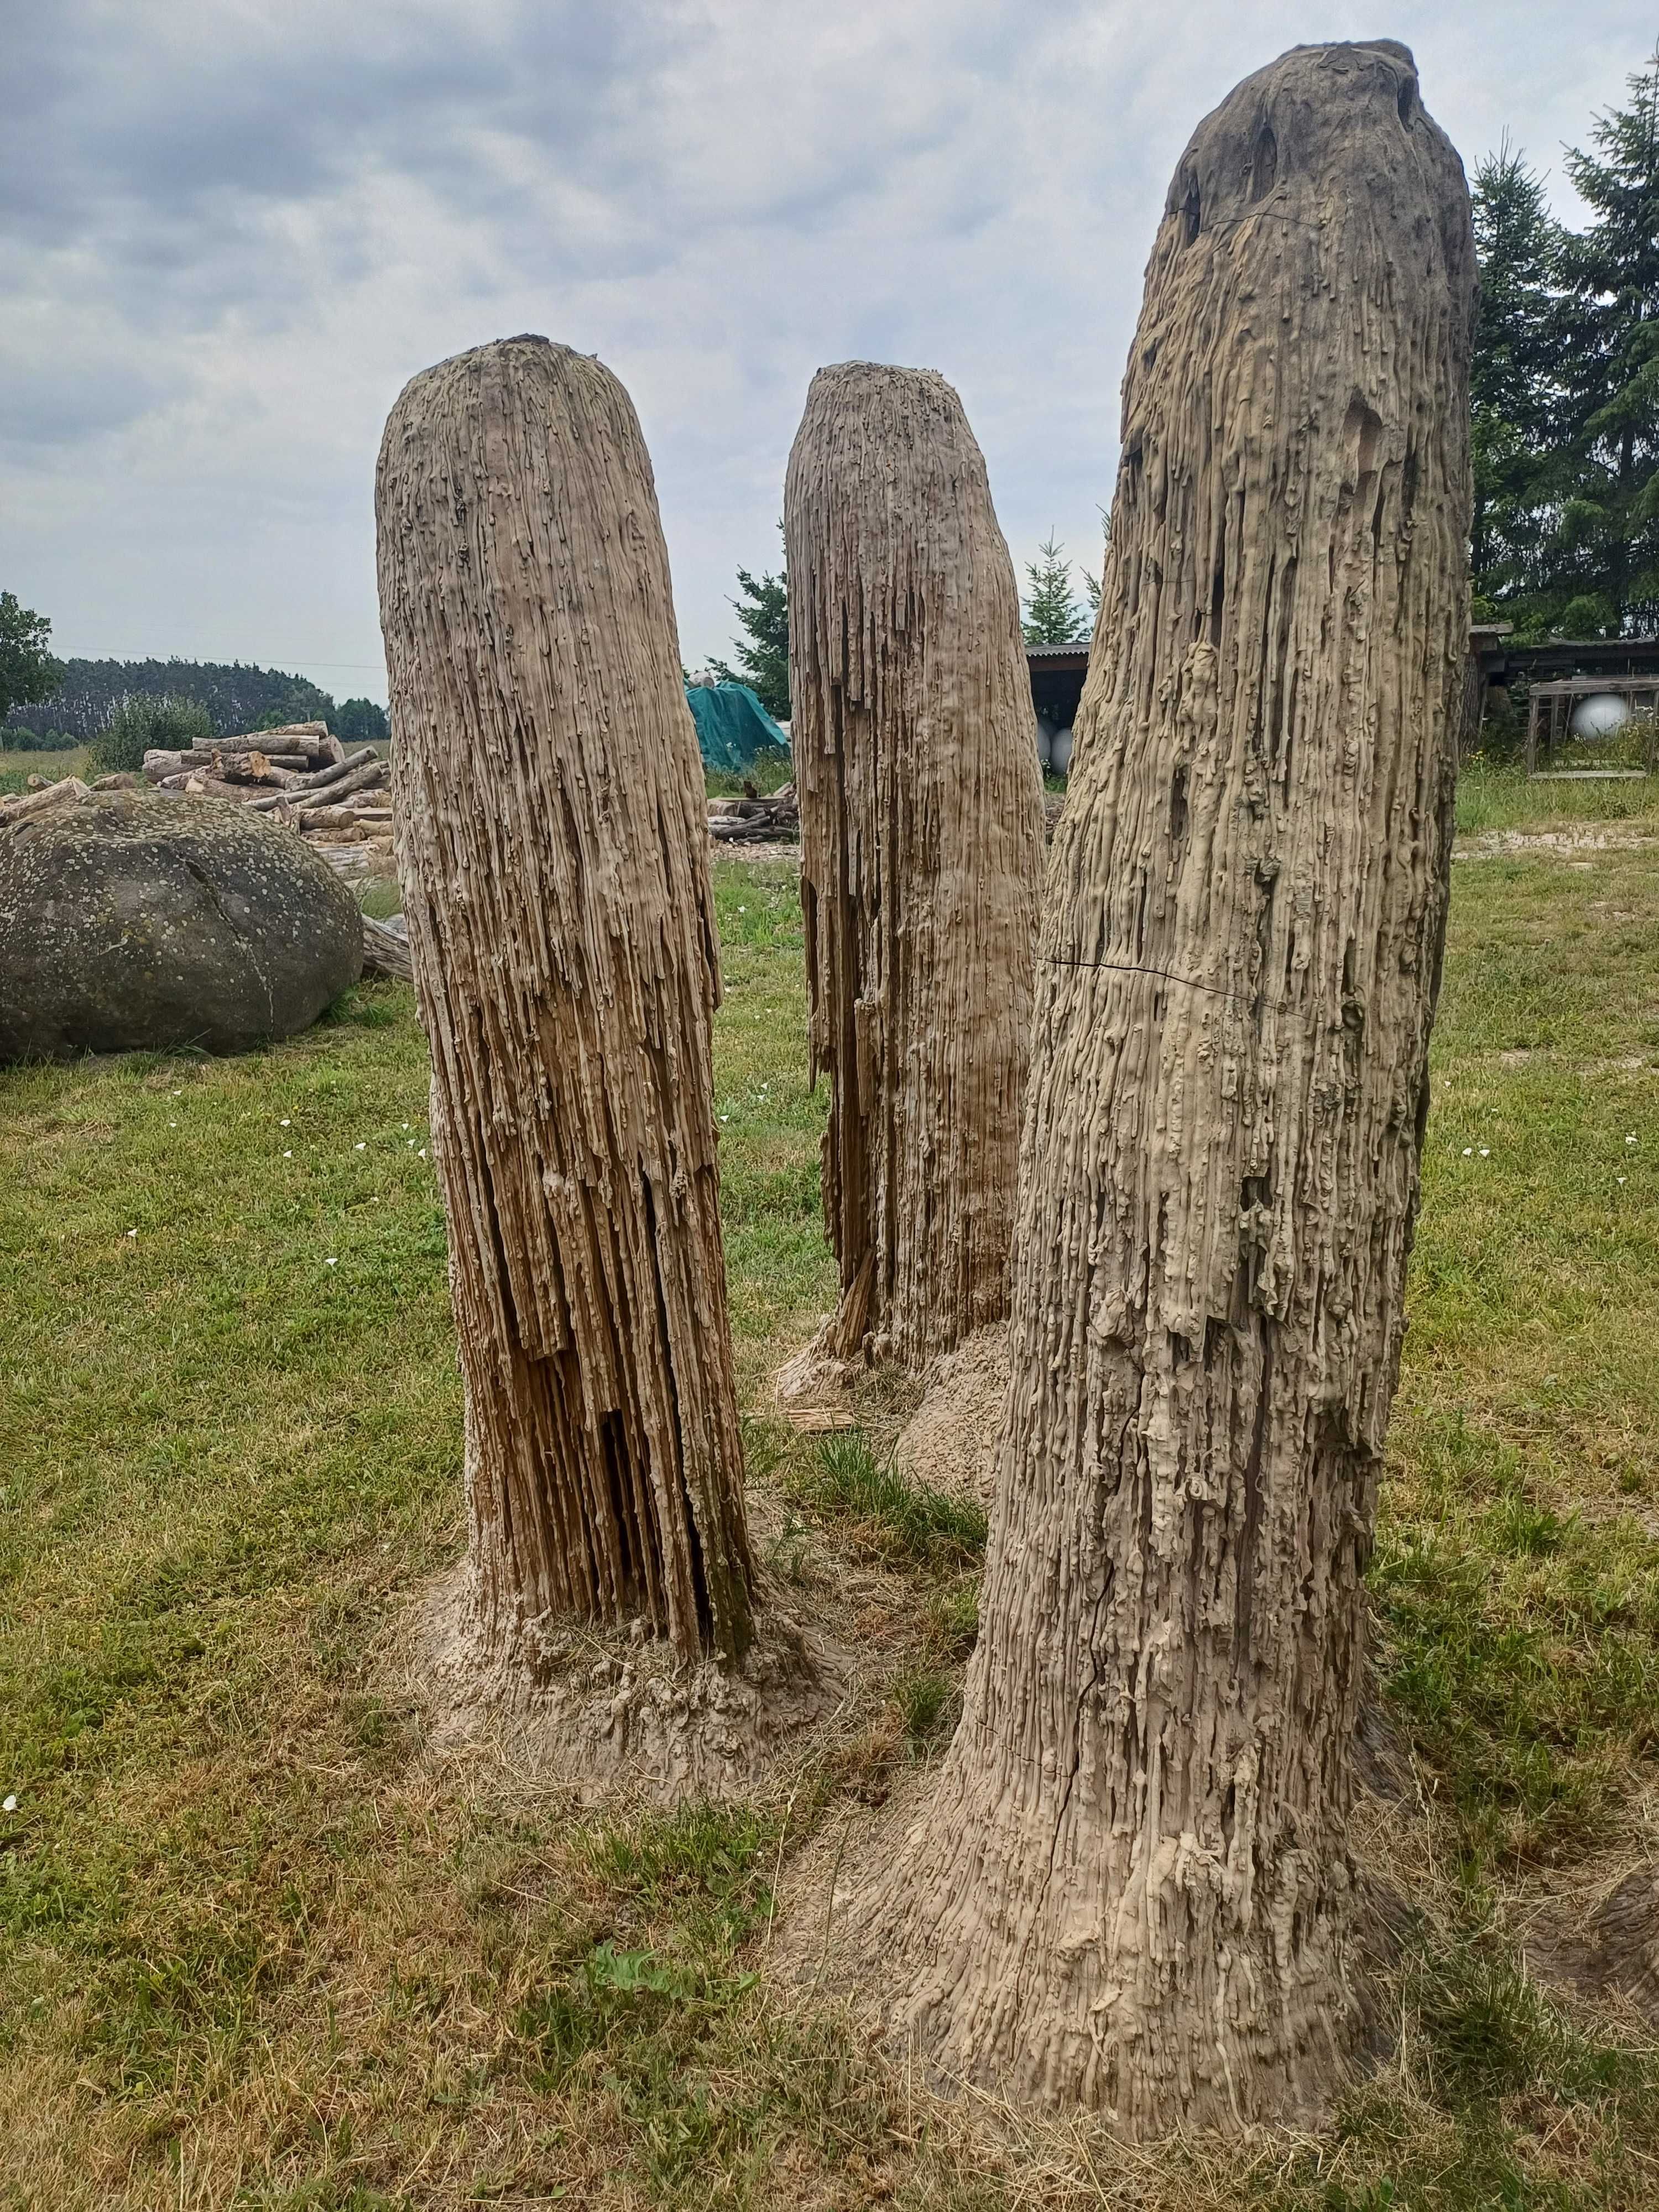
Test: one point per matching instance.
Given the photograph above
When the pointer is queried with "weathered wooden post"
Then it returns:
(551, 811)
(1134, 1887)
(914, 741)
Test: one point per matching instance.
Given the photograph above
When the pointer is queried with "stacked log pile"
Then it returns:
(752, 820)
(299, 775)
(342, 801)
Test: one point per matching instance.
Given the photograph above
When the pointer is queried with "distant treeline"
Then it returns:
(236, 696)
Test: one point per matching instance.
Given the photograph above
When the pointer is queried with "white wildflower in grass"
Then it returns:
(331, 1263)
(421, 1155)
(8, 1805)
(360, 1148)
(1629, 1141)
(132, 1232)
(287, 1156)
(1485, 1151)
(1468, 1151)
(286, 1124)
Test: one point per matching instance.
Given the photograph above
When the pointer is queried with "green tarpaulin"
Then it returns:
(732, 727)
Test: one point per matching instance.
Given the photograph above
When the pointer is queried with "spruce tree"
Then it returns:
(1514, 387)
(1052, 614)
(763, 652)
(1606, 559)
(1091, 577)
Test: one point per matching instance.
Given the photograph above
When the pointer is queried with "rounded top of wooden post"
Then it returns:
(513, 370)
(877, 372)
(870, 383)
(1292, 136)
(880, 394)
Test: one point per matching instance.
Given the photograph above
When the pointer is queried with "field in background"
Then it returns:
(16, 768)
(258, 1948)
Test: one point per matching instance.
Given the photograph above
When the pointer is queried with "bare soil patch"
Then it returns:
(950, 1441)
(604, 1711)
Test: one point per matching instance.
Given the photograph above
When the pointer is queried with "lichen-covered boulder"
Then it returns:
(132, 922)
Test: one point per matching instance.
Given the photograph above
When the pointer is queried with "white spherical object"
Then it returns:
(1600, 715)
(1059, 753)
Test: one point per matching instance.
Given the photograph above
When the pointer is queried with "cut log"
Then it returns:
(249, 767)
(369, 775)
(385, 951)
(754, 833)
(562, 925)
(158, 764)
(356, 772)
(310, 738)
(740, 820)
(294, 774)
(920, 810)
(336, 817)
(26, 805)
(1135, 1886)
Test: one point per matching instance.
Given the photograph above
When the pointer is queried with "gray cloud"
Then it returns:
(45, 406)
(232, 232)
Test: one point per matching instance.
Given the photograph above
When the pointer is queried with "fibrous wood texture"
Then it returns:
(915, 742)
(549, 803)
(1133, 1886)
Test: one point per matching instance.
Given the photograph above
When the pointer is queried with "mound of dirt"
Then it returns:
(950, 1441)
(602, 1711)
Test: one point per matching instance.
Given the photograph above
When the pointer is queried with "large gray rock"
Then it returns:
(132, 921)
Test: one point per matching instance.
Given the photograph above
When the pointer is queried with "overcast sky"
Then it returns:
(234, 229)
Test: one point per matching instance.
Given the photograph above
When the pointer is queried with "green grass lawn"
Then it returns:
(258, 1948)
(1491, 797)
